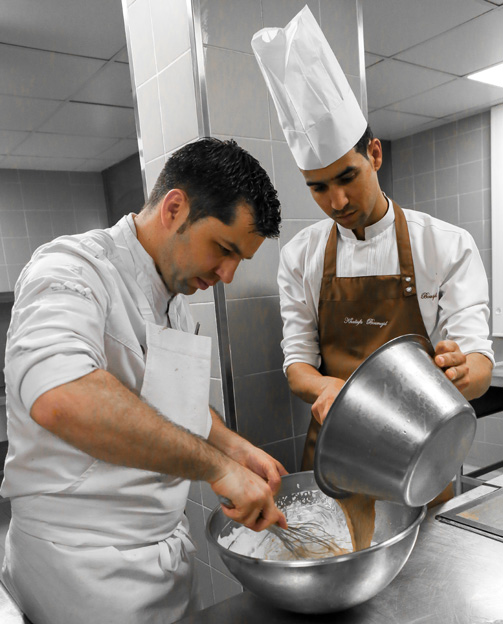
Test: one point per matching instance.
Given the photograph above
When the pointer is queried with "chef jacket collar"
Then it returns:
(147, 276)
(372, 230)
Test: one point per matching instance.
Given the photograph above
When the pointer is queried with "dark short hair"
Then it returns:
(217, 176)
(362, 145)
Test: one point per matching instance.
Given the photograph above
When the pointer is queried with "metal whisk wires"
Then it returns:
(307, 541)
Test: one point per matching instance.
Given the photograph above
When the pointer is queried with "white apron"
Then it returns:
(132, 563)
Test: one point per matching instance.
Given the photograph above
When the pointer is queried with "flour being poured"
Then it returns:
(304, 507)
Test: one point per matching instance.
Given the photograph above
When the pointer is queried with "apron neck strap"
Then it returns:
(403, 245)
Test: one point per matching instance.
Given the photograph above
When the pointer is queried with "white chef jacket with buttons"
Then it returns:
(88, 540)
(451, 283)
(46, 354)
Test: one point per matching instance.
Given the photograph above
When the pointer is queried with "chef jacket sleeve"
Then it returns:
(299, 309)
(463, 314)
(57, 327)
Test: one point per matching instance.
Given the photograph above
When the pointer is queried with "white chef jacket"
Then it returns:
(451, 283)
(43, 351)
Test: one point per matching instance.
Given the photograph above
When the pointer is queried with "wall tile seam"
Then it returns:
(471, 162)
(152, 160)
(204, 507)
(264, 372)
(167, 153)
(471, 222)
(247, 138)
(490, 445)
(199, 504)
(251, 298)
(211, 569)
(214, 47)
(227, 576)
(267, 444)
(166, 67)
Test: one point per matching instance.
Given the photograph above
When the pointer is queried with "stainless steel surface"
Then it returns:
(361, 53)
(483, 515)
(398, 430)
(125, 13)
(452, 577)
(204, 130)
(224, 350)
(324, 585)
(198, 67)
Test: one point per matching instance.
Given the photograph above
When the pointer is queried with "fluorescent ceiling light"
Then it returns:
(492, 75)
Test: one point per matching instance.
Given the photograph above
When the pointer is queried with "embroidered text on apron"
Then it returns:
(357, 315)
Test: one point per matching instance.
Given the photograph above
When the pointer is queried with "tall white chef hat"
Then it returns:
(317, 109)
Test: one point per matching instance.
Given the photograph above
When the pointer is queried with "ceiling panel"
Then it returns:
(403, 98)
(10, 140)
(93, 28)
(122, 56)
(461, 95)
(390, 81)
(41, 163)
(120, 150)
(31, 73)
(63, 146)
(391, 26)
(372, 59)
(94, 164)
(24, 113)
(387, 124)
(111, 85)
(468, 48)
(92, 120)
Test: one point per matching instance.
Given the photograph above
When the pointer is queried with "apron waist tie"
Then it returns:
(170, 549)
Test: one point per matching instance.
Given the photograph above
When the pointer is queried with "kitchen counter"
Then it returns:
(452, 576)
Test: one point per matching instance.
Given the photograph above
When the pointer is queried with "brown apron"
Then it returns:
(359, 314)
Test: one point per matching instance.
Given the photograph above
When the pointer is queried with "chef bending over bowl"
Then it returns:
(107, 399)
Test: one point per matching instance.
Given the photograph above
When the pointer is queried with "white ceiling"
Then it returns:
(418, 54)
(65, 91)
(65, 94)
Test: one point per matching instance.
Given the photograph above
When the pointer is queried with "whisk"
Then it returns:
(303, 541)
(306, 540)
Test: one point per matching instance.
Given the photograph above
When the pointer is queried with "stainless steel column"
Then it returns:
(196, 44)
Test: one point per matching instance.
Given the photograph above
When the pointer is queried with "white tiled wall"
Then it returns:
(161, 62)
(37, 206)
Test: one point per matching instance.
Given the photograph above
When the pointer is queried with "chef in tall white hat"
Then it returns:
(372, 271)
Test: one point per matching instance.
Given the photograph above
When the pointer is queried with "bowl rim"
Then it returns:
(301, 563)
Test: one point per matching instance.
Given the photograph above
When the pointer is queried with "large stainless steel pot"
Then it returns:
(324, 585)
(398, 430)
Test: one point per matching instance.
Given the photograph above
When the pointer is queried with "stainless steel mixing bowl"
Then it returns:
(324, 585)
(399, 429)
